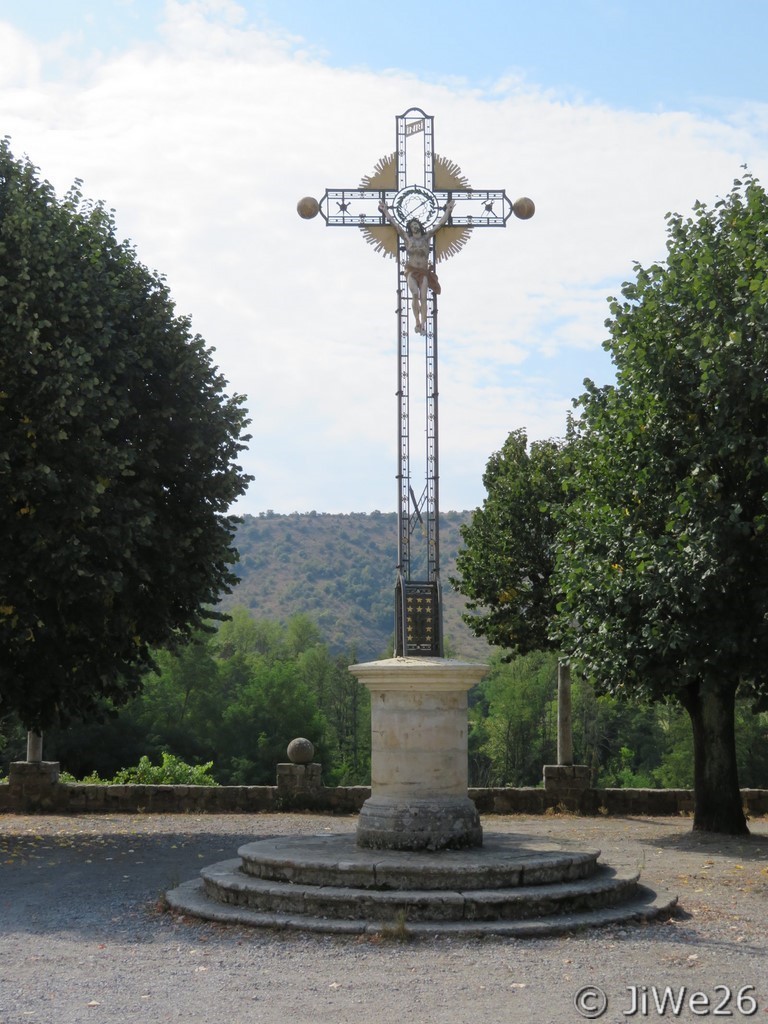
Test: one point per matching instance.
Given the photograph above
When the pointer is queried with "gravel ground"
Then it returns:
(83, 936)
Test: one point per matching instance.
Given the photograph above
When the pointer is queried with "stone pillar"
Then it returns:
(419, 755)
(34, 747)
(565, 781)
(564, 715)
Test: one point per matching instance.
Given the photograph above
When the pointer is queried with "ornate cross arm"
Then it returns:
(358, 207)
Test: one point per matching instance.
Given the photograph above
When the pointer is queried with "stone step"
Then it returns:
(504, 861)
(645, 905)
(513, 885)
(227, 883)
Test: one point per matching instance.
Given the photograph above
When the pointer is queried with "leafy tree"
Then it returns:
(301, 634)
(273, 707)
(101, 747)
(676, 766)
(506, 565)
(180, 706)
(117, 459)
(513, 717)
(520, 728)
(664, 553)
(752, 746)
(241, 635)
(622, 740)
(346, 707)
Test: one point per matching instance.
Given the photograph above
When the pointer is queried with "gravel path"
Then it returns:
(83, 936)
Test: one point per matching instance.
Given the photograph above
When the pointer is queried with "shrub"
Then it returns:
(172, 771)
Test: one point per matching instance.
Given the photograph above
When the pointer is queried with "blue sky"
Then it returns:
(201, 122)
(662, 54)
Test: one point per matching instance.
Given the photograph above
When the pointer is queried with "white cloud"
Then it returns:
(19, 60)
(204, 141)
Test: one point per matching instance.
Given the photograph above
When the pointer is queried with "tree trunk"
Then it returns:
(717, 798)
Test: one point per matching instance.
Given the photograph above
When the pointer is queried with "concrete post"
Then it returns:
(566, 781)
(34, 747)
(564, 715)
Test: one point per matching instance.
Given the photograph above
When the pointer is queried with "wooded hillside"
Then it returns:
(340, 570)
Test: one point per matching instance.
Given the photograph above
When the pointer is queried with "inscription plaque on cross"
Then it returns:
(419, 208)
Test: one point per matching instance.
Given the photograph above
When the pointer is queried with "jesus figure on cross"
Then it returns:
(419, 273)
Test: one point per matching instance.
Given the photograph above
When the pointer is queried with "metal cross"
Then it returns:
(416, 184)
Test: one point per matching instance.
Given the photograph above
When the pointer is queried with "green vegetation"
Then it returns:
(513, 720)
(225, 708)
(653, 513)
(117, 460)
(171, 771)
(510, 545)
(664, 543)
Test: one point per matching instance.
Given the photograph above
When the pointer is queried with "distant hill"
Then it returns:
(340, 570)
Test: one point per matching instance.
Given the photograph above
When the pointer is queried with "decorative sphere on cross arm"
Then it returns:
(524, 208)
(308, 207)
(301, 751)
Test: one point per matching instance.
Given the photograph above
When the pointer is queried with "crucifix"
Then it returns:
(417, 207)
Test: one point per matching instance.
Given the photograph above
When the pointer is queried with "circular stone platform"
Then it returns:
(504, 861)
(513, 885)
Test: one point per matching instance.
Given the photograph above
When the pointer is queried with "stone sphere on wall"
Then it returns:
(301, 751)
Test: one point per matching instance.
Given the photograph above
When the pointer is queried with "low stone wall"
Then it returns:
(34, 788)
(640, 802)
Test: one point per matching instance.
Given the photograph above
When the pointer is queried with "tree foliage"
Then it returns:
(506, 564)
(180, 724)
(117, 458)
(625, 743)
(235, 697)
(664, 545)
(519, 727)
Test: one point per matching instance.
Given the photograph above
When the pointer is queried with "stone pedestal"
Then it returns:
(294, 779)
(567, 783)
(419, 755)
(32, 785)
